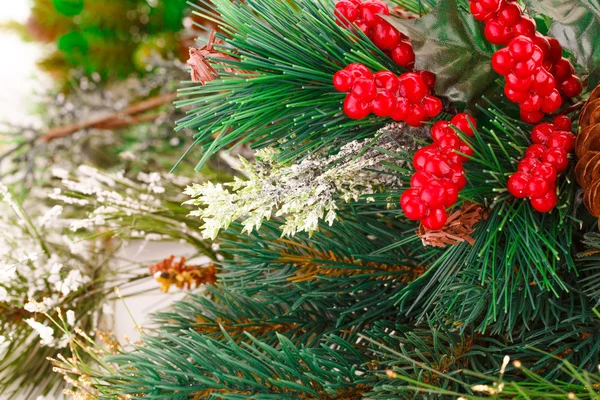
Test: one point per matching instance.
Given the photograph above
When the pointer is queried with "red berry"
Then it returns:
(555, 49)
(414, 208)
(497, 33)
(542, 132)
(413, 87)
(428, 77)
(416, 116)
(384, 103)
(519, 84)
(420, 178)
(492, 5)
(532, 117)
(345, 10)
(538, 56)
(562, 140)
(557, 157)
(510, 14)
(402, 109)
(385, 36)
(546, 203)
(421, 156)
(525, 26)
(546, 171)
(525, 69)
(450, 140)
(537, 187)
(343, 81)
(552, 102)
(363, 27)
(433, 193)
(435, 220)
(480, 13)
(527, 165)
(459, 179)
(453, 159)
(572, 87)
(386, 80)
(364, 89)
(540, 41)
(563, 69)
(563, 123)
(432, 106)
(409, 194)
(521, 48)
(369, 11)
(404, 55)
(439, 129)
(438, 166)
(514, 96)
(517, 184)
(355, 108)
(451, 193)
(463, 122)
(502, 62)
(536, 151)
(359, 71)
(543, 82)
(532, 103)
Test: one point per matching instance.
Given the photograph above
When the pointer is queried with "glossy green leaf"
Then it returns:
(450, 43)
(577, 28)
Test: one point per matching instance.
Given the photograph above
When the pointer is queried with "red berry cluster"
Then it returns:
(382, 33)
(440, 174)
(543, 161)
(536, 72)
(404, 98)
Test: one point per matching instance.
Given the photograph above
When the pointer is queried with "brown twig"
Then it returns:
(115, 120)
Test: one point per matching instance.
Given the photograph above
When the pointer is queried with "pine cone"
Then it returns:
(587, 149)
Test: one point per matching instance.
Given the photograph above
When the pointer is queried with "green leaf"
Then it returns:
(450, 43)
(577, 28)
(70, 8)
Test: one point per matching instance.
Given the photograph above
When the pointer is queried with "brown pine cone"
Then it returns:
(587, 149)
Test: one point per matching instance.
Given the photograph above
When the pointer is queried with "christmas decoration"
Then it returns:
(440, 174)
(405, 98)
(587, 149)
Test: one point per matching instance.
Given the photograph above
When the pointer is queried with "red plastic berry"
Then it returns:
(384, 103)
(355, 108)
(527, 165)
(408, 194)
(343, 80)
(345, 10)
(459, 179)
(521, 48)
(519, 84)
(562, 140)
(449, 140)
(517, 184)
(525, 69)
(369, 11)
(464, 123)
(416, 116)
(526, 27)
(542, 42)
(510, 14)
(563, 69)
(421, 156)
(536, 151)
(364, 89)
(532, 104)
(514, 96)
(433, 193)
(413, 87)
(563, 123)
(532, 117)
(366, 29)
(542, 132)
(402, 109)
(537, 187)
(555, 50)
(359, 71)
(546, 203)
(404, 55)
(432, 106)
(420, 178)
(438, 166)
(538, 56)
(480, 13)
(385, 36)
(572, 87)
(439, 129)
(414, 208)
(502, 62)
(552, 102)
(543, 82)
(386, 80)
(497, 33)
(546, 171)
(428, 77)
(492, 5)
(557, 157)
(435, 220)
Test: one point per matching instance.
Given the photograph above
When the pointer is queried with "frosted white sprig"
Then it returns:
(302, 193)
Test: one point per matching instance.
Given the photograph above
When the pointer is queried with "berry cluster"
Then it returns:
(382, 33)
(440, 174)
(535, 62)
(543, 161)
(403, 98)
